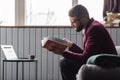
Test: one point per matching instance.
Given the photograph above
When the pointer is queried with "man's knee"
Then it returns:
(66, 63)
(62, 63)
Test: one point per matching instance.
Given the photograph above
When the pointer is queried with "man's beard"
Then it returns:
(79, 28)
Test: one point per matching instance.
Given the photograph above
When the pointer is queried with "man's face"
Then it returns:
(76, 23)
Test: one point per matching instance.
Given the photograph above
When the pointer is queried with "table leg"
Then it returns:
(22, 70)
(36, 70)
(16, 70)
(3, 70)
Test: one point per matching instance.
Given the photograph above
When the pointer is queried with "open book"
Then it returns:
(54, 43)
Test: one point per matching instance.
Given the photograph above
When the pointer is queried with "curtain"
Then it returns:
(111, 6)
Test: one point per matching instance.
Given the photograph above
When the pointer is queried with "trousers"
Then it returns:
(69, 69)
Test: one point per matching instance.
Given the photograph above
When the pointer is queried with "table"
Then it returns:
(17, 61)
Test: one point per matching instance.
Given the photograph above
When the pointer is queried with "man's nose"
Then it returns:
(71, 24)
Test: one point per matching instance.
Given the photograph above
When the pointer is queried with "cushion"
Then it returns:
(118, 49)
(105, 60)
(94, 72)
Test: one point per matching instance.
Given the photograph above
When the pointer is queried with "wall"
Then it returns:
(27, 41)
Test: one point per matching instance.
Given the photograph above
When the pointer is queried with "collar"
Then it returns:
(89, 22)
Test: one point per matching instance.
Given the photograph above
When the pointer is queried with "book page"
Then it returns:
(52, 43)
(58, 40)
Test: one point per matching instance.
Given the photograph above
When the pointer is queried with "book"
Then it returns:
(53, 43)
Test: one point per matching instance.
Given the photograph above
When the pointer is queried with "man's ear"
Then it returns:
(83, 19)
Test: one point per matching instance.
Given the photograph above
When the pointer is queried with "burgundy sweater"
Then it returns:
(96, 40)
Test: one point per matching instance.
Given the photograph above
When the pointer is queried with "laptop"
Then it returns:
(10, 54)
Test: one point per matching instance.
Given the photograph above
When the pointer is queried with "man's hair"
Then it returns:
(78, 11)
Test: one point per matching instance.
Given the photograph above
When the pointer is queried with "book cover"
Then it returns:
(54, 43)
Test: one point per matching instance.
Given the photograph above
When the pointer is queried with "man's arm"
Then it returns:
(92, 46)
(75, 48)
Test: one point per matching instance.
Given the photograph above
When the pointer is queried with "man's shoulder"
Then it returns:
(97, 23)
(96, 27)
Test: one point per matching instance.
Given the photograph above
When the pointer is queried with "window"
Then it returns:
(47, 12)
(94, 7)
(7, 12)
(44, 12)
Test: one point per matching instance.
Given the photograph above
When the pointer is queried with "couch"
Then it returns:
(96, 72)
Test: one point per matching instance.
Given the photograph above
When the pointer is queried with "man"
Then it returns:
(96, 40)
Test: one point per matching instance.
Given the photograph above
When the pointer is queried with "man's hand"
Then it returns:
(69, 43)
(55, 50)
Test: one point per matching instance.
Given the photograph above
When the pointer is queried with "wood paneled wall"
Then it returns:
(28, 41)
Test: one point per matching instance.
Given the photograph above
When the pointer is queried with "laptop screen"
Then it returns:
(9, 52)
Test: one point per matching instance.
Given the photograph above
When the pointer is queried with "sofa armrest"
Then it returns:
(118, 49)
(94, 72)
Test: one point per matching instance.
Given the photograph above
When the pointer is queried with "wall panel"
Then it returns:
(27, 41)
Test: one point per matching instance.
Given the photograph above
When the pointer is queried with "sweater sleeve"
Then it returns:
(75, 48)
(92, 46)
